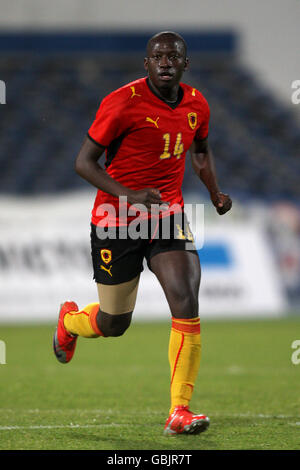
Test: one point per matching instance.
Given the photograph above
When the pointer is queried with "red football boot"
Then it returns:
(183, 421)
(64, 343)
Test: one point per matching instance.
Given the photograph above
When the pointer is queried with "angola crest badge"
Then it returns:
(192, 118)
(106, 256)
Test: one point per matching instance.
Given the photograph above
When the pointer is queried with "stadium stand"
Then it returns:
(52, 99)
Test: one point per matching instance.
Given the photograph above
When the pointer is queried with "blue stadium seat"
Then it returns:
(53, 99)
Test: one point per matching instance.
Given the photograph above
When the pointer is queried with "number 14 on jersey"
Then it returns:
(178, 148)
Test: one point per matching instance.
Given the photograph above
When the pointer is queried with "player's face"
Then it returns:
(166, 63)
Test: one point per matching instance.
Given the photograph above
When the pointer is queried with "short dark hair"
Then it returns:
(166, 34)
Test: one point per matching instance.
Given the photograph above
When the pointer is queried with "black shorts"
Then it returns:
(119, 258)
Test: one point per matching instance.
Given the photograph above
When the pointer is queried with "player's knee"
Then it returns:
(188, 306)
(184, 302)
(113, 325)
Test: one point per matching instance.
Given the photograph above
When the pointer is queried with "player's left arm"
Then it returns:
(204, 167)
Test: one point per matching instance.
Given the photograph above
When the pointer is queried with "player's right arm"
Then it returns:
(87, 167)
(107, 126)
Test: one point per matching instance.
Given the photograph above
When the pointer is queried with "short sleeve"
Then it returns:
(107, 125)
(202, 131)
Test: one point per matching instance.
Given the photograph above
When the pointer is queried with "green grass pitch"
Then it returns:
(115, 392)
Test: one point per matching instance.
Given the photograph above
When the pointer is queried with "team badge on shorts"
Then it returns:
(106, 256)
(192, 118)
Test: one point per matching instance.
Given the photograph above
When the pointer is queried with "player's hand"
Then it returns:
(147, 197)
(222, 202)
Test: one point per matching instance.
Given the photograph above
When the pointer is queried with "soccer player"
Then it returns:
(145, 129)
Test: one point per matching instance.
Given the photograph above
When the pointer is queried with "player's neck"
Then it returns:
(168, 94)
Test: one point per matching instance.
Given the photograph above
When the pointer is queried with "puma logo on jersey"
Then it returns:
(152, 121)
(133, 92)
(107, 269)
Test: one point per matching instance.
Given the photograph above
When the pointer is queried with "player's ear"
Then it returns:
(146, 63)
(186, 64)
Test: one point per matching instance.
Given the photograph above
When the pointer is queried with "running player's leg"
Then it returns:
(94, 321)
(111, 316)
(178, 272)
(117, 303)
(179, 275)
(117, 265)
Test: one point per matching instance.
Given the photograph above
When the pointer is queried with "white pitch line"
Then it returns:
(60, 426)
(109, 411)
(107, 425)
(76, 426)
(259, 415)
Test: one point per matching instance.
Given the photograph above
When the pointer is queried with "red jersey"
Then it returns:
(146, 140)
